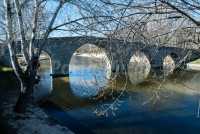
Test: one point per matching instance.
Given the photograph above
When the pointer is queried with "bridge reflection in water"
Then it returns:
(152, 106)
(89, 73)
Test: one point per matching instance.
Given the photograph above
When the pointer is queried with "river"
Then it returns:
(156, 105)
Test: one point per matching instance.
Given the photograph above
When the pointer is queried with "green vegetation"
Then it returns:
(5, 69)
(196, 62)
(8, 81)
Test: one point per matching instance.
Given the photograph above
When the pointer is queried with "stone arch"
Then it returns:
(168, 65)
(97, 52)
(44, 55)
(89, 76)
(63, 49)
(174, 55)
(139, 67)
(61, 54)
(45, 86)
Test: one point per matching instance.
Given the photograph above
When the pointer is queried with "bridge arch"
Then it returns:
(169, 64)
(61, 50)
(139, 67)
(89, 70)
(174, 55)
(45, 86)
(46, 56)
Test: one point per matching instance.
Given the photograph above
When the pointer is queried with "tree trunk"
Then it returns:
(28, 81)
(25, 97)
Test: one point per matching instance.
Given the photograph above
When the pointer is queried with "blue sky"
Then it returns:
(68, 12)
(72, 12)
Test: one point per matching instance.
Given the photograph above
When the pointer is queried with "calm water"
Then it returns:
(154, 106)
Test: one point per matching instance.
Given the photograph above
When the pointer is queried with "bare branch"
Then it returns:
(48, 31)
(34, 27)
(21, 29)
(181, 12)
(11, 42)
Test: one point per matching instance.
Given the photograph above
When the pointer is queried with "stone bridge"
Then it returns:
(119, 52)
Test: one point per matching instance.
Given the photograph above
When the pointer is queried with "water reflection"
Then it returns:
(89, 76)
(139, 68)
(153, 106)
(45, 86)
(168, 65)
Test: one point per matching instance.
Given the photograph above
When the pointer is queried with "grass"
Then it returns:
(195, 62)
(8, 81)
(5, 69)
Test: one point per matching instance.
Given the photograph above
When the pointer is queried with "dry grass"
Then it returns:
(196, 62)
(5, 69)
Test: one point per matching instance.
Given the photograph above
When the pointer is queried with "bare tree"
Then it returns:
(16, 22)
(25, 21)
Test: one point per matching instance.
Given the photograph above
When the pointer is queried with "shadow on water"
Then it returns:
(154, 106)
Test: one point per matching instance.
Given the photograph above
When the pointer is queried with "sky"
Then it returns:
(71, 12)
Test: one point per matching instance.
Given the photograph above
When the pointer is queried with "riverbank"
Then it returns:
(195, 65)
(7, 84)
(191, 66)
(35, 120)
